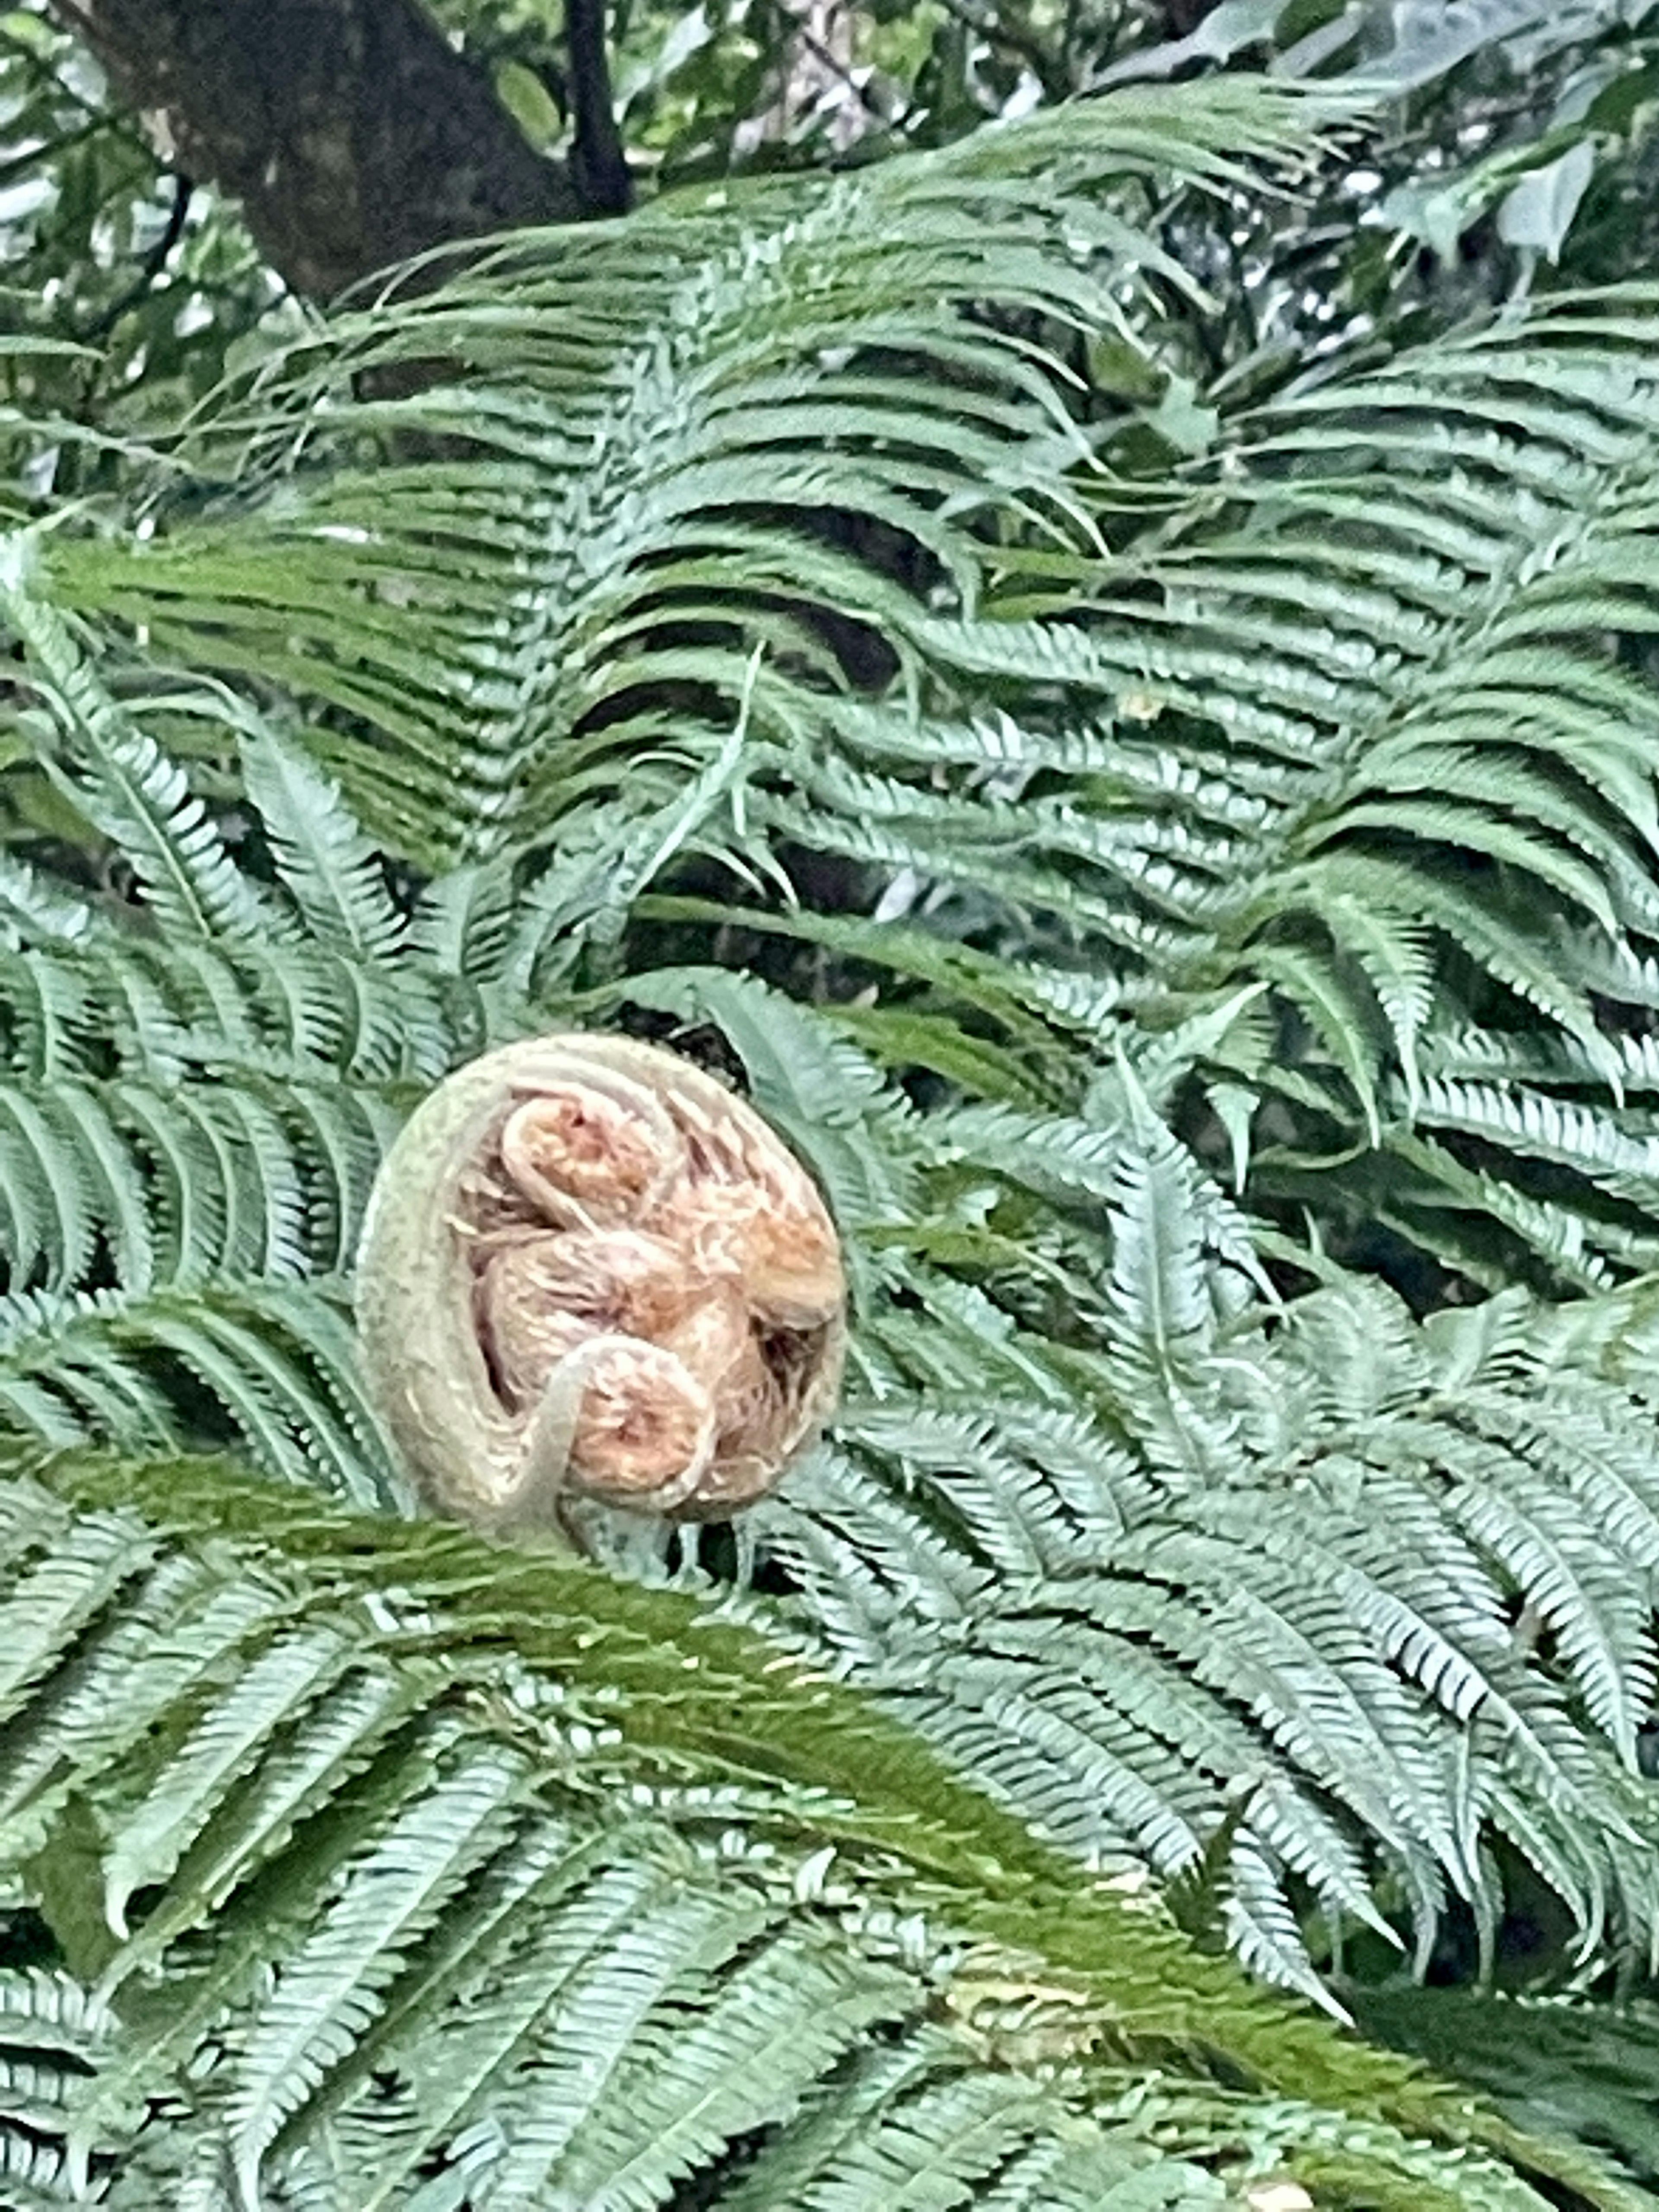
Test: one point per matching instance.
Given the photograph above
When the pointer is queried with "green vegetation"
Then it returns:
(1098, 665)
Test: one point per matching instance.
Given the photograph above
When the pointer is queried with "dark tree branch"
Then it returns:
(599, 165)
(148, 270)
(352, 132)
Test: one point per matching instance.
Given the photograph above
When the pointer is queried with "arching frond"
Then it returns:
(669, 409)
(1391, 1584)
(408, 1877)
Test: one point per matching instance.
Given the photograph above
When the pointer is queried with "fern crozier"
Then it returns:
(588, 1270)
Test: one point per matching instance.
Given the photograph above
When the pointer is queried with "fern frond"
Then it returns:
(1399, 1578)
(1590, 2066)
(666, 461)
(404, 1865)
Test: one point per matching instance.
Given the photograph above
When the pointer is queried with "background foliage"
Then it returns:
(1099, 667)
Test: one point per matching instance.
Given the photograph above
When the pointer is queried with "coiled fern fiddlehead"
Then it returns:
(588, 1270)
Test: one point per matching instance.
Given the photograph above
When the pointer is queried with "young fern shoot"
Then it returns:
(591, 1273)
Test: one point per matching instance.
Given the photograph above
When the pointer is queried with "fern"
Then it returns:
(1284, 820)
(1397, 1729)
(1583, 2068)
(1366, 748)
(659, 465)
(359, 1842)
(1324, 1528)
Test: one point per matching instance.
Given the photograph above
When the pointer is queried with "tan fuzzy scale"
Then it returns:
(589, 1271)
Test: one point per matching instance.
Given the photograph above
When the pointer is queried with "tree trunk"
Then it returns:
(351, 131)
